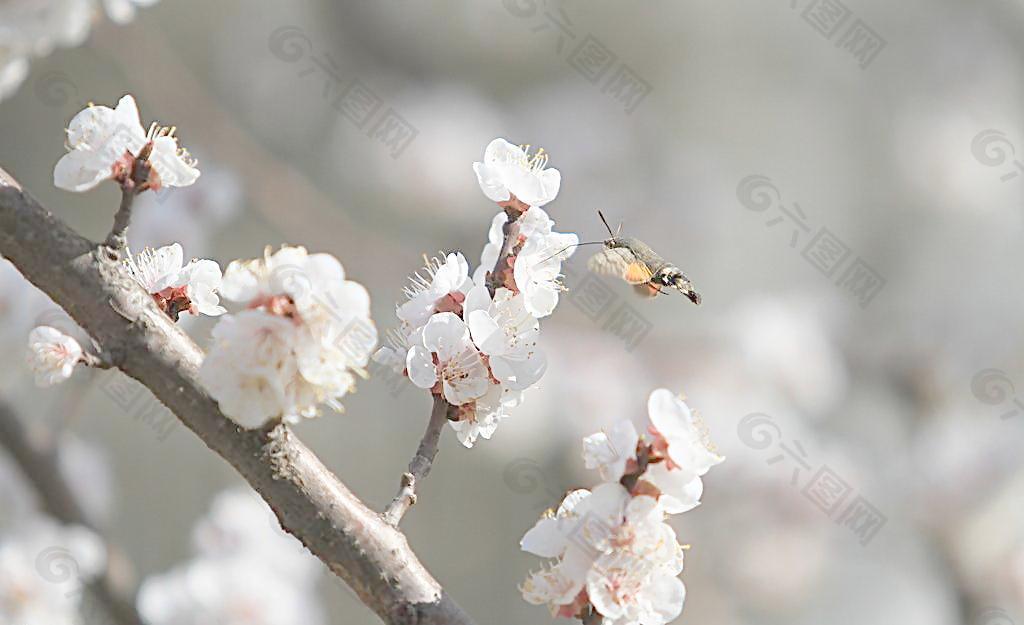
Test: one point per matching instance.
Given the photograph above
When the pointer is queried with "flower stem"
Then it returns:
(136, 182)
(511, 232)
(420, 465)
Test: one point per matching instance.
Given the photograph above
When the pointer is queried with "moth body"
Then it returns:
(638, 264)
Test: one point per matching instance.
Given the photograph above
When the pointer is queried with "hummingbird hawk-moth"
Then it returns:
(635, 262)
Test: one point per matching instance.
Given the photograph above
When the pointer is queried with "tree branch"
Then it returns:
(87, 280)
(38, 459)
(419, 466)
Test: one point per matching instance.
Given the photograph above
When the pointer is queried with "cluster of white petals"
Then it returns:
(304, 334)
(175, 286)
(473, 338)
(245, 570)
(52, 355)
(509, 170)
(538, 264)
(44, 567)
(103, 144)
(613, 553)
(34, 28)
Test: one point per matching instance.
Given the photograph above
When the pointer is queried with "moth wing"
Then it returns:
(649, 290)
(612, 261)
(638, 274)
(620, 263)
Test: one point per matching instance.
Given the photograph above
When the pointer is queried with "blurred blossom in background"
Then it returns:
(842, 181)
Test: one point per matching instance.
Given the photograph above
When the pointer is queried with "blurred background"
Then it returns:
(838, 179)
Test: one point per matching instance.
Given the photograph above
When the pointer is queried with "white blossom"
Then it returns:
(616, 547)
(538, 270)
(686, 443)
(393, 354)
(36, 27)
(635, 580)
(609, 451)
(679, 493)
(241, 525)
(481, 417)
(508, 170)
(13, 71)
(534, 222)
(443, 288)
(52, 355)
(489, 255)
(226, 592)
(459, 367)
(246, 571)
(249, 365)
(123, 11)
(507, 333)
(191, 288)
(305, 334)
(630, 590)
(475, 343)
(613, 552)
(33, 28)
(103, 143)
(43, 567)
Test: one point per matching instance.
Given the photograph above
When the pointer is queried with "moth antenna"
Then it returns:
(567, 247)
(619, 229)
(605, 221)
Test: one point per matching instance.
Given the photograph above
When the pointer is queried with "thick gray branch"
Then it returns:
(87, 280)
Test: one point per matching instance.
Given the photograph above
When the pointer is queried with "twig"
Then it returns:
(38, 459)
(311, 503)
(511, 232)
(419, 466)
(136, 182)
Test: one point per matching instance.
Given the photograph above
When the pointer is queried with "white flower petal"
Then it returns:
(420, 364)
(545, 539)
(446, 335)
(666, 595)
(487, 336)
(680, 492)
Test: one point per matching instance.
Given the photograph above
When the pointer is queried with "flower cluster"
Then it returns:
(245, 570)
(304, 333)
(176, 287)
(104, 143)
(615, 556)
(474, 340)
(43, 569)
(34, 28)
